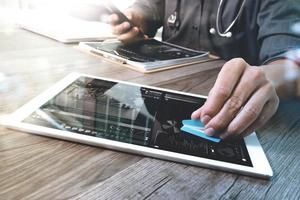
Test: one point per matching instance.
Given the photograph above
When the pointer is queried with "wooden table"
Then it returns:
(35, 167)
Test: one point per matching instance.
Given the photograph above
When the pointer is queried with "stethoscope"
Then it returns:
(174, 20)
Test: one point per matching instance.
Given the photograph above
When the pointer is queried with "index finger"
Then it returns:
(227, 80)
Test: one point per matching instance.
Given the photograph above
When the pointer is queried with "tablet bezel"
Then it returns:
(261, 167)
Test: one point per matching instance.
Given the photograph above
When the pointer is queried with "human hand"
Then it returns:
(241, 101)
(127, 32)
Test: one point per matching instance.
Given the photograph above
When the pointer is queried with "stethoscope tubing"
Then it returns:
(174, 19)
(227, 32)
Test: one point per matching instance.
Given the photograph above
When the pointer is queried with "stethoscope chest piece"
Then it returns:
(213, 31)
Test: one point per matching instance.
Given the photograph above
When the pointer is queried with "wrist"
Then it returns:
(284, 74)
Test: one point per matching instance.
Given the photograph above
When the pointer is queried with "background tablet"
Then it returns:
(134, 118)
(146, 55)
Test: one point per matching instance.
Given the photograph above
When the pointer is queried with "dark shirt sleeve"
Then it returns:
(153, 10)
(276, 19)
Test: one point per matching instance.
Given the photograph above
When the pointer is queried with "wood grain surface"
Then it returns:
(35, 167)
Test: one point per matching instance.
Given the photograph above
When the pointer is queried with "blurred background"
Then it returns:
(11, 10)
(67, 21)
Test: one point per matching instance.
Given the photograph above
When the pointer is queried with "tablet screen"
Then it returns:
(145, 50)
(135, 115)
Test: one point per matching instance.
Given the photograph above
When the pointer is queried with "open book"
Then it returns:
(146, 55)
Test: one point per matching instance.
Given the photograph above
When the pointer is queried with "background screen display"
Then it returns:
(132, 114)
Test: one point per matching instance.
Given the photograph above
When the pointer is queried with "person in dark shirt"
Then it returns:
(246, 33)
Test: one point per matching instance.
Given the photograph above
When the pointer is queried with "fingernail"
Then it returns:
(223, 136)
(205, 119)
(113, 18)
(209, 131)
(136, 29)
(126, 25)
(193, 115)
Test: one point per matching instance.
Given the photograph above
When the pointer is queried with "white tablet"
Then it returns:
(136, 119)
